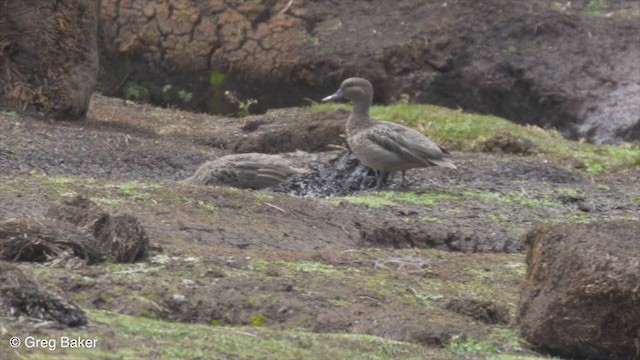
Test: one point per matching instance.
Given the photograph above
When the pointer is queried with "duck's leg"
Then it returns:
(402, 182)
(382, 178)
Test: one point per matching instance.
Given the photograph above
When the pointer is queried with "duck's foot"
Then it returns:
(382, 178)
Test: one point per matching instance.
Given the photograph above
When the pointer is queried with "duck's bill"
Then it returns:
(336, 96)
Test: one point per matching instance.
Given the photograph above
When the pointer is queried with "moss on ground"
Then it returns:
(395, 198)
(163, 340)
(505, 209)
(370, 277)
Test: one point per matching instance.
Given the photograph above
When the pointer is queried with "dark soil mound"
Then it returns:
(43, 240)
(19, 296)
(485, 311)
(581, 296)
(121, 235)
(48, 56)
(279, 131)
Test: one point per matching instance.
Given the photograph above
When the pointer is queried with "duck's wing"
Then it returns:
(409, 144)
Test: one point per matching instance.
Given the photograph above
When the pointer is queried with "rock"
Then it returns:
(581, 295)
(120, 235)
(20, 296)
(48, 56)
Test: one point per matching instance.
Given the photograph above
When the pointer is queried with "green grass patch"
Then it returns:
(508, 339)
(394, 198)
(206, 206)
(111, 194)
(457, 130)
(580, 218)
(470, 346)
(375, 201)
(11, 113)
(567, 193)
(216, 78)
(511, 198)
(127, 337)
(136, 92)
(108, 201)
(135, 190)
(263, 196)
(59, 184)
(293, 268)
(15, 184)
(326, 52)
(258, 320)
(519, 268)
(511, 50)
(312, 267)
(595, 7)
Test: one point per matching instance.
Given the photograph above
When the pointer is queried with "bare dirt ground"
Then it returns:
(424, 265)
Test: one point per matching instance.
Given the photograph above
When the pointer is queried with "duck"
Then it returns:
(381, 145)
(249, 170)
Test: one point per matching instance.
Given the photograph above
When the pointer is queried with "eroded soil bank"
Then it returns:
(568, 65)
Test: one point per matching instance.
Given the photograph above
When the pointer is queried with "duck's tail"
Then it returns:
(444, 163)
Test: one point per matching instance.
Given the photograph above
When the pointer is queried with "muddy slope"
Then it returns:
(435, 266)
(484, 205)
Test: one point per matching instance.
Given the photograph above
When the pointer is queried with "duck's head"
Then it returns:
(356, 89)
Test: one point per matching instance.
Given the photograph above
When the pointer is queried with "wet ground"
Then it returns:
(420, 264)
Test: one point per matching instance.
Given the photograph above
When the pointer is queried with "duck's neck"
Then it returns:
(359, 119)
(361, 109)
